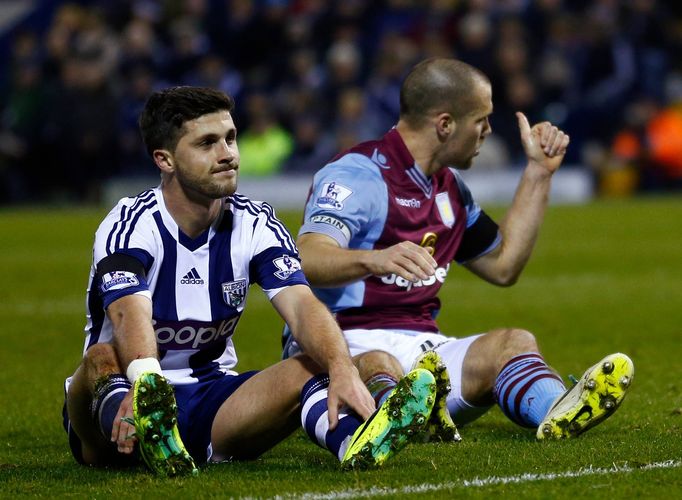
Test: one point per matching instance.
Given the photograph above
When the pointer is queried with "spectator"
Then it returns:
(140, 47)
(212, 71)
(138, 85)
(299, 93)
(314, 146)
(647, 152)
(396, 55)
(520, 94)
(81, 130)
(22, 118)
(578, 64)
(265, 144)
(343, 69)
(352, 113)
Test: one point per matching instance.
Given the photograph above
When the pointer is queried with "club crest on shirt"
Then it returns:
(447, 215)
(234, 292)
(287, 266)
(333, 195)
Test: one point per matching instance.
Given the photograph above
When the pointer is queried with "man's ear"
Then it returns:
(164, 160)
(445, 125)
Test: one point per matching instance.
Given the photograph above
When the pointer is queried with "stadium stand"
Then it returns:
(311, 77)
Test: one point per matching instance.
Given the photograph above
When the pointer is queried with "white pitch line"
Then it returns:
(480, 482)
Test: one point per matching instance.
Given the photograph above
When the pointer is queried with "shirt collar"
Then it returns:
(406, 161)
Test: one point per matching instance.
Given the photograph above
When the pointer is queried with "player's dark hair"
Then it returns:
(166, 111)
(438, 85)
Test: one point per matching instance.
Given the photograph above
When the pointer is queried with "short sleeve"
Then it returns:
(347, 198)
(275, 263)
(123, 251)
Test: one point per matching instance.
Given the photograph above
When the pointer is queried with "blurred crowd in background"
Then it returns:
(312, 77)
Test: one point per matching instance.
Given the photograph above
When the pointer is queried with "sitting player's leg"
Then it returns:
(380, 372)
(401, 418)
(504, 366)
(263, 411)
(462, 408)
(94, 395)
(272, 404)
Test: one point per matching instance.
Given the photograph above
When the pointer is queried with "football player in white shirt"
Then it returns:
(170, 272)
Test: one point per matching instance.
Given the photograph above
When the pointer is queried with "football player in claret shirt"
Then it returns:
(169, 278)
(386, 219)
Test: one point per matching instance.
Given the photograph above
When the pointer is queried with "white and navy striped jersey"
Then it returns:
(197, 286)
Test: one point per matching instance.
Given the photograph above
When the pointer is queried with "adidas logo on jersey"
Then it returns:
(192, 278)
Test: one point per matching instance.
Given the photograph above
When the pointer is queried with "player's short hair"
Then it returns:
(166, 112)
(438, 85)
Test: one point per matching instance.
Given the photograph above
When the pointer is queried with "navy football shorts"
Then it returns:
(198, 404)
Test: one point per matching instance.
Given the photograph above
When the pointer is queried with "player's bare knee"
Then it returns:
(521, 341)
(372, 362)
(100, 360)
(512, 342)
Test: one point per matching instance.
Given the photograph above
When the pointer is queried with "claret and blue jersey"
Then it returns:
(374, 196)
(197, 286)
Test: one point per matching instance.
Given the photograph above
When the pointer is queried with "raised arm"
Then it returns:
(545, 146)
(315, 329)
(326, 264)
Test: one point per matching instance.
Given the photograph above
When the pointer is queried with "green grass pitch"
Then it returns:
(605, 277)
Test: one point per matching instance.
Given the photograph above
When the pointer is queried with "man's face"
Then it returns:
(471, 129)
(206, 156)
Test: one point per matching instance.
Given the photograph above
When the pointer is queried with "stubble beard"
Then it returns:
(465, 165)
(208, 188)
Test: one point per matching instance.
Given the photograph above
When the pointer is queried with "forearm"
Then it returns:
(317, 332)
(326, 264)
(521, 225)
(320, 337)
(134, 336)
(315, 329)
(545, 146)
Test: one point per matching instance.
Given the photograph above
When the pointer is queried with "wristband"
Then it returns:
(139, 366)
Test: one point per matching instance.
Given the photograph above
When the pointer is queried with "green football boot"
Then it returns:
(155, 418)
(440, 426)
(400, 419)
(591, 400)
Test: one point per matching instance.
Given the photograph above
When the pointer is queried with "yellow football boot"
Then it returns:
(155, 418)
(440, 426)
(591, 400)
(400, 419)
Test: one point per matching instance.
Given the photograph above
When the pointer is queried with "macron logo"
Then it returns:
(411, 203)
(192, 278)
